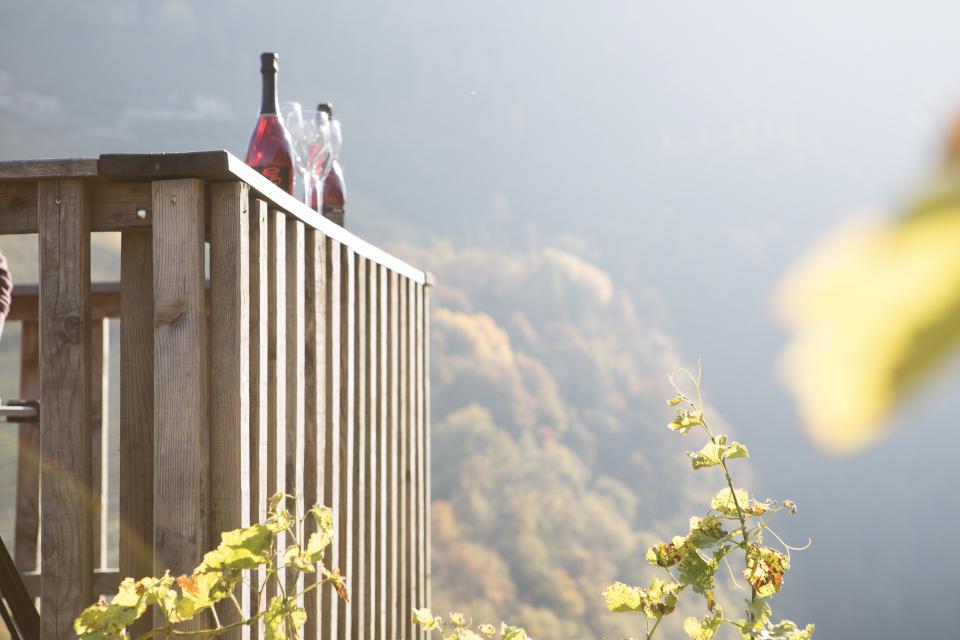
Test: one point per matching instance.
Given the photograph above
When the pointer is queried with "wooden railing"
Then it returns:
(298, 362)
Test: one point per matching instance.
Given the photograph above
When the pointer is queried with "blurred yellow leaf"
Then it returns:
(873, 309)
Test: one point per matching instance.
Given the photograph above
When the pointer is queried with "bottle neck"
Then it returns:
(268, 102)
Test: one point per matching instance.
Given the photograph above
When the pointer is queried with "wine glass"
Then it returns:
(310, 133)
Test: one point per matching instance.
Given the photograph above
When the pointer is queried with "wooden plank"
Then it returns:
(383, 447)
(229, 374)
(222, 165)
(114, 206)
(67, 517)
(104, 302)
(99, 434)
(394, 495)
(372, 617)
(295, 383)
(411, 478)
(359, 580)
(136, 407)
(428, 495)
(347, 409)
(404, 628)
(58, 168)
(331, 469)
(105, 582)
(27, 526)
(258, 380)
(180, 377)
(276, 362)
(420, 479)
(314, 369)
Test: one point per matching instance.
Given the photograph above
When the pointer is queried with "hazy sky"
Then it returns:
(693, 149)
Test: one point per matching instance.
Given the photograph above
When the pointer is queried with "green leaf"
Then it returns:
(665, 554)
(724, 502)
(425, 618)
(240, 549)
(765, 569)
(788, 630)
(657, 600)
(696, 571)
(512, 633)
(292, 557)
(622, 597)
(704, 628)
(706, 532)
(736, 450)
(710, 455)
(316, 544)
(686, 420)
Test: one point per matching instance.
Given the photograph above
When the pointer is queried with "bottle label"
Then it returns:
(280, 176)
(334, 212)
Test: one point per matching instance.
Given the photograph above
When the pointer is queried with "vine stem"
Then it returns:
(655, 625)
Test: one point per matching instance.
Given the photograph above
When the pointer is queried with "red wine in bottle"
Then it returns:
(334, 191)
(270, 151)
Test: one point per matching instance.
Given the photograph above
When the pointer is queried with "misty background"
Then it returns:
(691, 151)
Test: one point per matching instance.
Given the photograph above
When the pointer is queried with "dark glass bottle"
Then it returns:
(334, 189)
(270, 151)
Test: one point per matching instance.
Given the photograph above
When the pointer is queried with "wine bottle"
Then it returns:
(334, 190)
(270, 151)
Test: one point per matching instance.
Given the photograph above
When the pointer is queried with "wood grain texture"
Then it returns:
(114, 206)
(392, 457)
(425, 378)
(405, 543)
(136, 407)
(346, 424)
(329, 627)
(383, 449)
(65, 481)
(259, 403)
(229, 404)
(372, 615)
(314, 399)
(99, 435)
(420, 480)
(359, 578)
(104, 302)
(276, 360)
(27, 526)
(180, 377)
(295, 383)
(54, 168)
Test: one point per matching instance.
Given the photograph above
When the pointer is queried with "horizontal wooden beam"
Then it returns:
(105, 582)
(58, 168)
(114, 206)
(104, 301)
(222, 165)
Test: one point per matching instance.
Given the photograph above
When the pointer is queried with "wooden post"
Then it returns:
(403, 435)
(136, 408)
(331, 469)
(229, 373)
(99, 430)
(383, 478)
(359, 580)
(276, 362)
(179, 377)
(258, 379)
(420, 480)
(394, 494)
(346, 426)
(372, 459)
(428, 495)
(65, 483)
(295, 382)
(314, 369)
(27, 527)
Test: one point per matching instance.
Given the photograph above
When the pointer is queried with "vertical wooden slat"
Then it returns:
(258, 379)
(180, 377)
(411, 479)
(331, 470)
(403, 434)
(372, 617)
(425, 381)
(421, 506)
(314, 403)
(347, 407)
(99, 435)
(359, 580)
(136, 407)
(295, 383)
(393, 457)
(384, 483)
(27, 526)
(229, 373)
(66, 518)
(276, 360)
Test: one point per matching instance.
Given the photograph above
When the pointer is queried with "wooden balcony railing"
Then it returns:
(297, 361)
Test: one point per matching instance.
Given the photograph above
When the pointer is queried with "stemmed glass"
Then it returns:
(310, 132)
